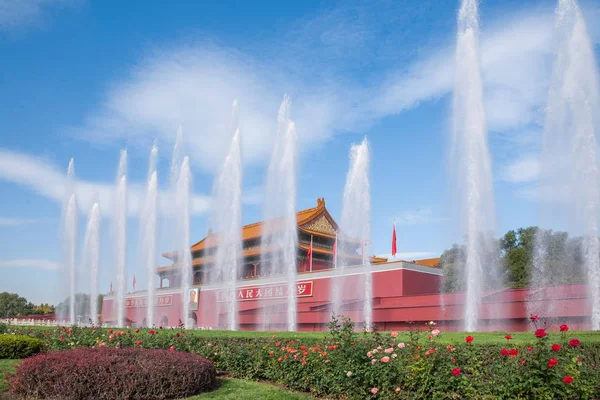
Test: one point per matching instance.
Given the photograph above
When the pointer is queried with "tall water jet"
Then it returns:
(91, 258)
(182, 222)
(572, 122)
(147, 234)
(69, 238)
(280, 231)
(227, 220)
(355, 227)
(471, 158)
(119, 222)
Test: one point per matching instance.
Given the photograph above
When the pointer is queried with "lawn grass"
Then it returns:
(496, 337)
(237, 389)
(6, 366)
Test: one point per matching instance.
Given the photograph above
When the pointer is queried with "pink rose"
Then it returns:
(374, 391)
(390, 350)
(435, 332)
(394, 334)
(401, 345)
(385, 359)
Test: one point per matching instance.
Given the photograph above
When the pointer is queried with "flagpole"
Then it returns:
(311, 252)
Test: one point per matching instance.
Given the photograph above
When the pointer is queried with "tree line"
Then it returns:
(13, 305)
(510, 261)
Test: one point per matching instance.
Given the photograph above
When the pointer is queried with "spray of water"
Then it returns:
(69, 238)
(572, 122)
(227, 216)
(119, 222)
(471, 157)
(355, 225)
(147, 233)
(91, 258)
(280, 231)
(182, 221)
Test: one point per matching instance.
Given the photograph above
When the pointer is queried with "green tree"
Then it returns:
(12, 305)
(514, 256)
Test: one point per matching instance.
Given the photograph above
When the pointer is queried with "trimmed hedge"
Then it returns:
(111, 373)
(14, 347)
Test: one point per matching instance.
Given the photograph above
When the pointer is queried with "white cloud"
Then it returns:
(30, 263)
(21, 13)
(44, 178)
(5, 221)
(416, 217)
(523, 169)
(195, 85)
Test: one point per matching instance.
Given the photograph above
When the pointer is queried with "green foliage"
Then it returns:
(512, 259)
(349, 364)
(15, 347)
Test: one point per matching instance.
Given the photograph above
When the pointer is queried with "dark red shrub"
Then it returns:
(108, 373)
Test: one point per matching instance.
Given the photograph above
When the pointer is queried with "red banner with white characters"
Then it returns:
(140, 302)
(280, 291)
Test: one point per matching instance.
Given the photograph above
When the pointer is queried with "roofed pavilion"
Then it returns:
(316, 223)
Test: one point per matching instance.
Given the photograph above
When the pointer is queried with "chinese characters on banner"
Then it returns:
(139, 302)
(303, 289)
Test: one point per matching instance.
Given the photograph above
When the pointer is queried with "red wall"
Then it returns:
(401, 296)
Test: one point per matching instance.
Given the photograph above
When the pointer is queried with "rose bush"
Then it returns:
(111, 373)
(354, 365)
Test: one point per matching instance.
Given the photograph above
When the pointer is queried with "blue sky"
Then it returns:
(85, 79)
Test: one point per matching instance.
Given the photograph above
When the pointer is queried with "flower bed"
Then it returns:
(347, 364)
(111, 373)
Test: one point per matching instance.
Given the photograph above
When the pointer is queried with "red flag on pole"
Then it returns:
(310, 253)
(133, 281)
(335, 251)
(394, 240)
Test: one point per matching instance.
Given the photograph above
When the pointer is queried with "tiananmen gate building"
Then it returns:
(404, 292)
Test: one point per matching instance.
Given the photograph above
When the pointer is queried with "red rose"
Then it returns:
(568, 379)
(564, 328)
(540, 333)
(177, 334)
(137, 331)
(151, 332)
(556, 347)
(507, 337)
(139, 342)
(514, 353)
(110, 331)
(552, 362)
(534, 318)
(456, 371)
(469, 339)
(279, 359)
(530, 348)
(504, 352)
(574, 342)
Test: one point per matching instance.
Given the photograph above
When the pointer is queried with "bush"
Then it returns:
(112, 373)
(13, 346)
